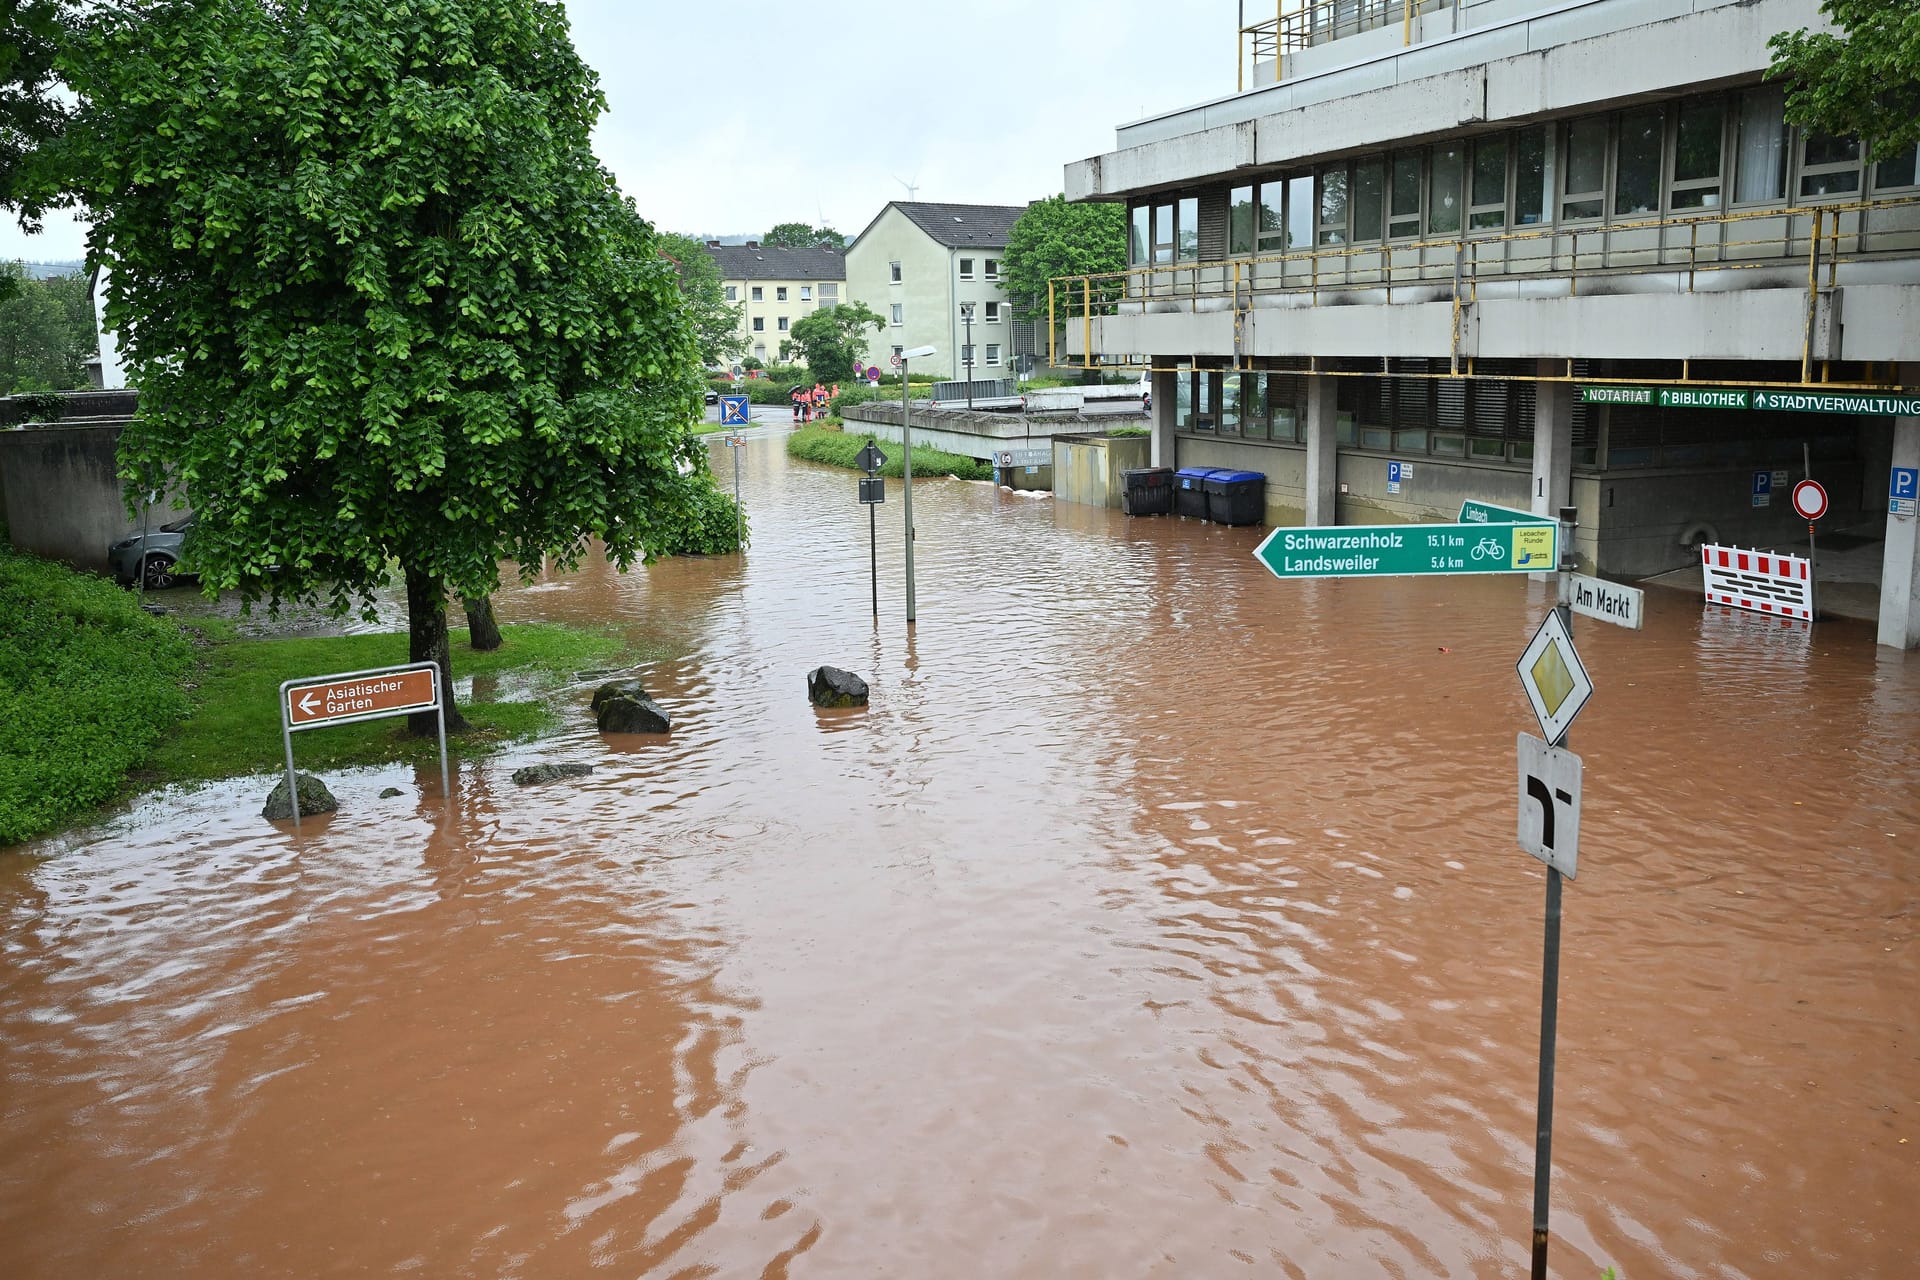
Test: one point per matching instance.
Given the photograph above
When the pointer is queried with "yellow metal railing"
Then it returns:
(1687, 247)
(1300, 24)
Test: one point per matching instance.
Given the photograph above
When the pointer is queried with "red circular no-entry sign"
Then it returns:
(1810, 499)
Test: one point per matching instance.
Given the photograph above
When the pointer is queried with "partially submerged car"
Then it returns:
(154, 556)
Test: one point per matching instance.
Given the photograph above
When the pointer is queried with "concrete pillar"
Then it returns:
(1900, 569)
(1552, 441)
(1166, 402)
(1323, 455)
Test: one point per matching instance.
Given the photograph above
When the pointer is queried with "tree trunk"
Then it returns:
(483, 633)
(427, 642)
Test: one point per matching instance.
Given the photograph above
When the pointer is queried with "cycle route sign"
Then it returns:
(1404, 550)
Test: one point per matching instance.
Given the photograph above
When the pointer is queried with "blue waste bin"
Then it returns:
(1236, 497)
(1190, 491)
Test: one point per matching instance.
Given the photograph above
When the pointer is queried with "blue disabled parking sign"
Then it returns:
(733, 411)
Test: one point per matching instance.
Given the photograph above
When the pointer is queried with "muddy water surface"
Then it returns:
(1157, 919)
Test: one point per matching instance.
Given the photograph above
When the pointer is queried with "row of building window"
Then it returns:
(1488, 420)
(990, 313)
(760, 324)
(829, 293)
(991, 267)
(1694, 154)
(1485, 419)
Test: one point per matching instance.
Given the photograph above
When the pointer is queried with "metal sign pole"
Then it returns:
(440, 707)
(906, 484)
(873, 557)
(739, 516)
(1813, 563)
(293, 783)
(1550, 967)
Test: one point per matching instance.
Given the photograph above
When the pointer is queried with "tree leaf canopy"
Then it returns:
(381, 302)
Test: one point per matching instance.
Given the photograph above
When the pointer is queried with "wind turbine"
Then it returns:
(912, 187)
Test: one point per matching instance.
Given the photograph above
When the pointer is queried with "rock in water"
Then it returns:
(832, 687)
(625, 714)
(390, 793)
(617, 689)
(535, 774)
(314, 798)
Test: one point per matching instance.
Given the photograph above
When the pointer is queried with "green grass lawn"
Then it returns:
(98, 699)
(234, 728)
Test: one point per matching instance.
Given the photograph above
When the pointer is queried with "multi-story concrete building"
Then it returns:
(1548, 253)
(777, 288)
(919, 266)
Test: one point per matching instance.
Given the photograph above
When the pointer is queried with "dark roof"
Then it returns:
(759, 262)
(961, 226)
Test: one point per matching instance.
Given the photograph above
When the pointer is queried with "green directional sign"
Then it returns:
(1895, 404)
(1399, 550)
(1473, 511)
(1901, 406)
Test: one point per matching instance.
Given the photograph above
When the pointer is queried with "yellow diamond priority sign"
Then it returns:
(1554, 677)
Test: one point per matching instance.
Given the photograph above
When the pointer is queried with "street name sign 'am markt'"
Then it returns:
(1401, 550)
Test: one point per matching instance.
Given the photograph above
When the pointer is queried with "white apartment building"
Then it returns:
(776, 289)
(922, 267)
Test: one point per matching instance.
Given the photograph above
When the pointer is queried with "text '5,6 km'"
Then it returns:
(335, 699)
(1398, 550)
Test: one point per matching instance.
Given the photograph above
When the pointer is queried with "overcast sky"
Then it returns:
(729, 118)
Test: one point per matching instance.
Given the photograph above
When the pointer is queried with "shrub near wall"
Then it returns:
(88, 684)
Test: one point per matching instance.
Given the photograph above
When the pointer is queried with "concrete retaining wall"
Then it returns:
(63, 495)
(971, 435)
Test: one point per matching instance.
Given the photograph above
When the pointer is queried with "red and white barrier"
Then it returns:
(1759, 580)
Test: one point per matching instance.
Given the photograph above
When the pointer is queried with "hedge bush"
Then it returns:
(839, 448)
(88, 684)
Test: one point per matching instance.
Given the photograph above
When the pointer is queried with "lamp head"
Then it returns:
(916, 353)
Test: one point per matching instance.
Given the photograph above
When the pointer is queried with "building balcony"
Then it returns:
(1810, 285)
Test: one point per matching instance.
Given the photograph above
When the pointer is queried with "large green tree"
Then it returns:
(1863, 82)
(30, 35)
(383, 304)
(716, 322)
(798, 235)
(1054, 238)
(46, 331)
(831, 338)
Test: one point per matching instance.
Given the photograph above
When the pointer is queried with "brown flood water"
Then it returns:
(1157, 919)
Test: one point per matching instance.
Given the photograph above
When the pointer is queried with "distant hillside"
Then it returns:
(41, 270)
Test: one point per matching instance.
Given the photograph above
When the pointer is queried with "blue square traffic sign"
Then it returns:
(733, 411)
(1905, 483)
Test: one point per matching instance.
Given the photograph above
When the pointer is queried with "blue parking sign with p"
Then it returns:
(1903, 491)
(733, 411)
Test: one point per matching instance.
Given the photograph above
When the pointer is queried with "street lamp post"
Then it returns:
(966, 315)
(906, 465)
